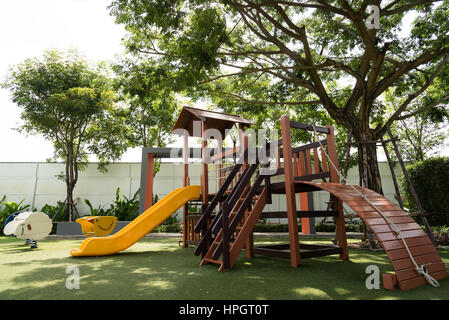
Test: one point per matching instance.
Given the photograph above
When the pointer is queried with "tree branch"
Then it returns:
(412, 96)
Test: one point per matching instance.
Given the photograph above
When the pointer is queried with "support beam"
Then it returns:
(338, 204)
(295, 256)
(186, 182)
(149, 181)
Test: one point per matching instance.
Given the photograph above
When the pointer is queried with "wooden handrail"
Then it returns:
(238, 216)
(309, 127)
(219, 195)
(309, 146)
(224, 154)
(239, 188)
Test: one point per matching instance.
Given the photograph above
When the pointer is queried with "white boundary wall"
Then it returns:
(36, 183)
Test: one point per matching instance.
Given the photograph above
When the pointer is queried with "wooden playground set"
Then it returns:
(224, 226)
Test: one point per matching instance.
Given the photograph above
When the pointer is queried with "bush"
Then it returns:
(169, 228)
(100, 211)
(319, 227)
(57, 212)
(172, 220)
(430, 178)
(325, 227)
(124, 209)
(272, 227)
(441, 235)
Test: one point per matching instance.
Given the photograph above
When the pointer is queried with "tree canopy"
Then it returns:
(337, 56)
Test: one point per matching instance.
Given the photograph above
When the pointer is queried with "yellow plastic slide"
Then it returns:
(140, 226)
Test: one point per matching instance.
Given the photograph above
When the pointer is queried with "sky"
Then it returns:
(27, 28)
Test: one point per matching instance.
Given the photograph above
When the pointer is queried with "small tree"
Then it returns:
(70, 103)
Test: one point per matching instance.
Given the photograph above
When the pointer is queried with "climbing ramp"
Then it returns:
(421, 248)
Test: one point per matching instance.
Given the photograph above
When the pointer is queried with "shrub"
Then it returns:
(325, 227)
(100, 211)
(430, 178)
(266, 227)
(172, 220)
(170, 228)
(56, 213)
(319, 227)
(441, 235)
(123, 208)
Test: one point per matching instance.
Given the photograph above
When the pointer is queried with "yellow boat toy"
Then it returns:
(99, 226)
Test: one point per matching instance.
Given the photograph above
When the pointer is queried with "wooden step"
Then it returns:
(210, 260)
(231, 243)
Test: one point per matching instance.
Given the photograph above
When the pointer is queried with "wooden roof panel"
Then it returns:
(214, 120)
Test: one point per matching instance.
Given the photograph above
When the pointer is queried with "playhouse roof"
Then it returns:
(214, 120)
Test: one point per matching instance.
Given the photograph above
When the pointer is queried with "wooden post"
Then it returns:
(303, 196)
(204, 181)
(185, 211)
(244, 144)
(220, 163)
(295, 255)
(149, 181)
(225, 235)
(393, 175)
(205, 167)
(277, 155)
(412, 190)
(340, 219)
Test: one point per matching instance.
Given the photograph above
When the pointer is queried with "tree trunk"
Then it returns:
(71, 179)
(368, 165)
(369, 176)
(69, 201)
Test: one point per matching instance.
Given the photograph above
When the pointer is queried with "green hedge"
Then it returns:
(169, 228)
(272, 227)
(430, 178)
(319, 227)
(441, 235)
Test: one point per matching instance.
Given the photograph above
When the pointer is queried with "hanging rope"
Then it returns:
(420, 269)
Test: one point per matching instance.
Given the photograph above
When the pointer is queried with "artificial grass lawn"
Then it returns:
(160, 269)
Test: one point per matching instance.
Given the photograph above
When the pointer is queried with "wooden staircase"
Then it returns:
(231, 229)
(225, 252)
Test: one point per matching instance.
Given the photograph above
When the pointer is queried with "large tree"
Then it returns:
(339, 55)
(70, 102)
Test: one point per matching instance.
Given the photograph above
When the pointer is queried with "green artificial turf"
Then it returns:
(160, 269)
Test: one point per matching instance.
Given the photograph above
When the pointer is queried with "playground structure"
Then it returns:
(225, 225)
(227, 217)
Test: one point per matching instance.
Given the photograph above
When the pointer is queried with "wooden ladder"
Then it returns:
(225, 249)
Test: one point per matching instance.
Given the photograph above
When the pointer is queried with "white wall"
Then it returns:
(36, 183)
